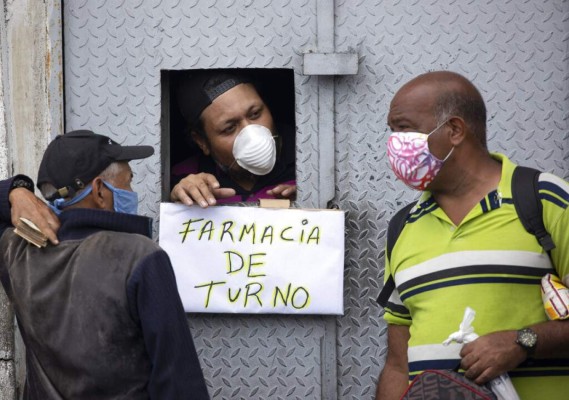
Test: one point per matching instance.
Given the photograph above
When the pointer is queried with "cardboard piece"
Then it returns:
(274, 203)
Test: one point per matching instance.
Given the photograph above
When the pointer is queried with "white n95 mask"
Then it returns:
(254, 149)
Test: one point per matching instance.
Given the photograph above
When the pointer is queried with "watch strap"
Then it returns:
(22, 181)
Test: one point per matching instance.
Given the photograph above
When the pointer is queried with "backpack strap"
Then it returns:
(394, 229)
(525, 194)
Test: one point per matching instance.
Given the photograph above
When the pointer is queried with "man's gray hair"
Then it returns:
(111, 171)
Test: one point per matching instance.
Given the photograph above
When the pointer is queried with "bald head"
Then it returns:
(450, 94)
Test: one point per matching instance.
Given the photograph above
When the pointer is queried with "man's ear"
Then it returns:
(99, 195)
(201, 142)
(458, 130)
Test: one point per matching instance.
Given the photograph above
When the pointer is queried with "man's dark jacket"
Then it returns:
(99, 313)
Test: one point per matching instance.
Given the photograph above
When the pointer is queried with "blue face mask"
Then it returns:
(59, 204)
(124, 201)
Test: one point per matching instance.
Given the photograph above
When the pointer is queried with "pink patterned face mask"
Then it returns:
(411, 160)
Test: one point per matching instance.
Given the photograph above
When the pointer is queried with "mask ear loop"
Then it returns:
(59, 204)
(439, 126)
(448, 155)
(232, 164)
(225, 168)
(433, 131)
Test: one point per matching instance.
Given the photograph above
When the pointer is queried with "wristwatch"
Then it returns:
(22, 181)
(527, 338)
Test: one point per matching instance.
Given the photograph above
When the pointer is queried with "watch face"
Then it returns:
(527, 338)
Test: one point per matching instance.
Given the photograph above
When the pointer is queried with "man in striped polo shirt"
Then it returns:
(463, 245)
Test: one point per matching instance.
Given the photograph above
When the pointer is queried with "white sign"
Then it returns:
(255, 260)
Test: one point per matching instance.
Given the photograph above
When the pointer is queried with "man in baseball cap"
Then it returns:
(245, 154)
(99, 313)
(73, 160)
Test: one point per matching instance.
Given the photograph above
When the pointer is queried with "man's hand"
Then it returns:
(491, 355)
(283, 192)
(201, 188)
(394, 379)
(25, 204)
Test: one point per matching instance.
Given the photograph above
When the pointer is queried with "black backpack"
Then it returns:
(525, 195)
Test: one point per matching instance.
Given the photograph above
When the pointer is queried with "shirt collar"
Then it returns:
(491, 201)
(78, 223)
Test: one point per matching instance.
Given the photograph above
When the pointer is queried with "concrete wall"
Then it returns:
(31, 99)
(7, 366)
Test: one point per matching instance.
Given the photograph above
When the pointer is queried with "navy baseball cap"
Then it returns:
(198, 90)
(74, 159)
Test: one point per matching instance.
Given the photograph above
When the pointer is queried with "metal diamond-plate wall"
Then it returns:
(516, 53)
(114, 52)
